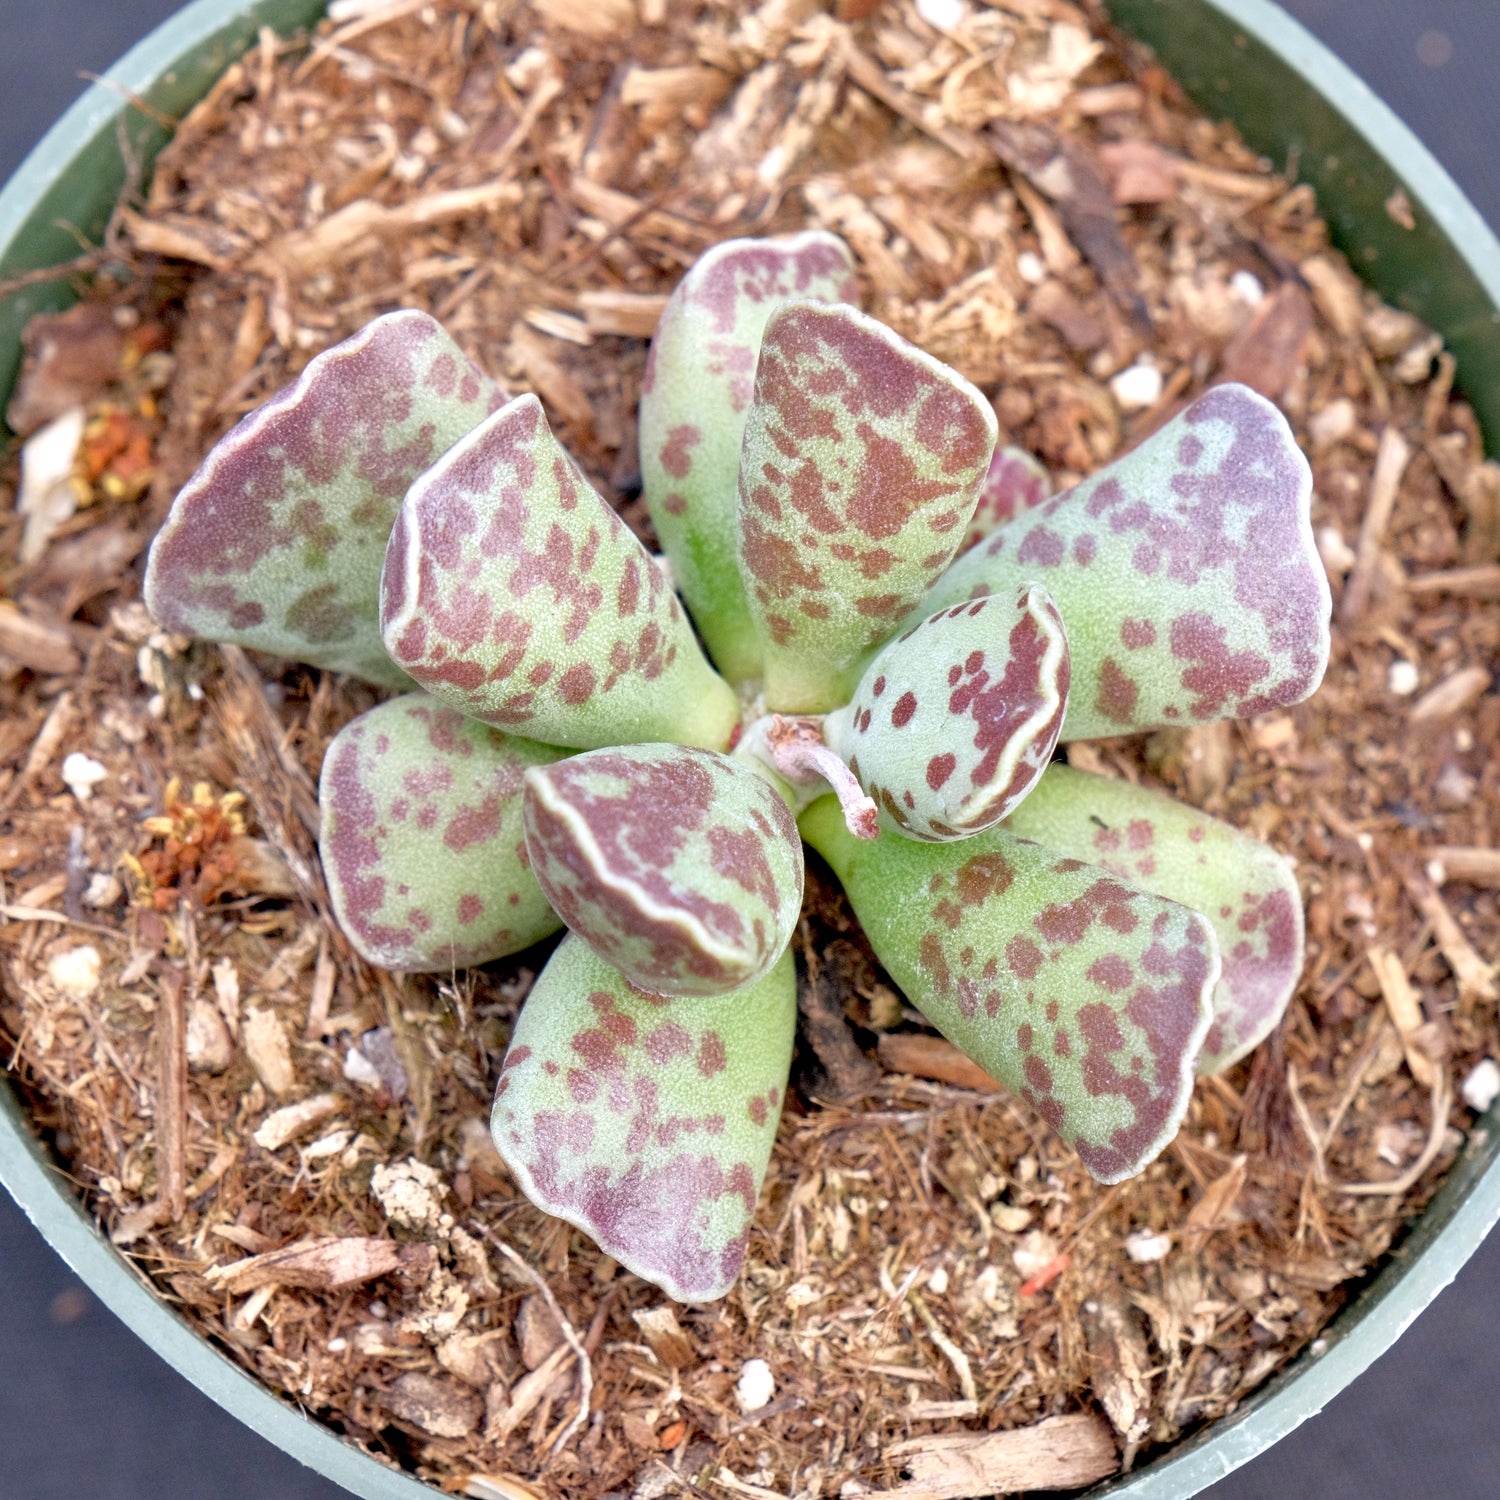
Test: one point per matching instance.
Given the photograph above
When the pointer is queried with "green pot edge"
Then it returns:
(1338, 116)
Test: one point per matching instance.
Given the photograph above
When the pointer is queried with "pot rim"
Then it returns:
(170, 68)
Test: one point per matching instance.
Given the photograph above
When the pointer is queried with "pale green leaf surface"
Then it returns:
(277, 541)
(681, 867)
(645, 1121)
(694, 401)
(1246, 890)
(1085, 996)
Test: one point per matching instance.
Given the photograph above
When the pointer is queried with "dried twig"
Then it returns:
(569, 1333)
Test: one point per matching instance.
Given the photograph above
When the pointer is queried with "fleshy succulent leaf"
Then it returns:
(513, 592)
(645, 1121)
(1246, 890)
(1185, 573)
(1015, 482)
(861, 464)
(422, 838)
(277, 541)
(1088, 998)
(953, 722)
(680, 867)
(694, 402)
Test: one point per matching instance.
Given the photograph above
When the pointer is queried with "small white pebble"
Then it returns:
(1332, 423)
(1145, 1245)
(76, 971)
(943, 15)
(937, 1283)
(1482, 1087)
(1463, 739)
(755, 1386)
(1036, 1251)
(1403, 678)
(336, 1346)
(103, 890)
(1032, 267)
(359, 1069)
(1246, 286)
(1337, 555)
(81, 774)
(1437, 872)
(1137, 387)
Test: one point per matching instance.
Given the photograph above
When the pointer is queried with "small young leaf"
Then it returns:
(1015, 482)
(647, 1122)
(1245, 889)
(1185, 572)
(513, 592)
(277, 541)
(680, 867)
(694, 402)
(1085, 996)
(862, 460)
(422, 837)
(953, 722)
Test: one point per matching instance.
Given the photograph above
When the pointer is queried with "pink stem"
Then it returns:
(798, 752)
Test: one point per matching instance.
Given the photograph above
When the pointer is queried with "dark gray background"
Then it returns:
(88, 1413)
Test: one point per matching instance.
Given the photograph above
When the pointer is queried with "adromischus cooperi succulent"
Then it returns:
(897, 611)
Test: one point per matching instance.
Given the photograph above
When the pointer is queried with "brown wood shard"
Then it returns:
(1060, 1453)
(1266, 353)
(1070, 176)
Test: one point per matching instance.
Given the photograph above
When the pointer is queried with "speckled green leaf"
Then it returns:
(647, 1122)
(277, 541)
(1014, 483)
(681, 867)
(694, 401)
(1245, 889)
(1086, 996)
(862, 461)
(953, 722)
(513, 592)
(422, 837)
(1185, 573)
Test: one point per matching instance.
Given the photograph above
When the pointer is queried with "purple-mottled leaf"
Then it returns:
(680, 867)
(647, 1121)
(1185, 573)
(694, 402)
(1084, 995)
(1246, 890)
(513, 592)
(862, 460)
(953, 722)
(1015, 482)
(422, 837)
(277, 541)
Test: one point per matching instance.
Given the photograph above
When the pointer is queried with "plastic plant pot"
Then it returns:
(1292, 99)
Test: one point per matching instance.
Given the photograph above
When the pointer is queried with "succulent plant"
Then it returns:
(898, 612)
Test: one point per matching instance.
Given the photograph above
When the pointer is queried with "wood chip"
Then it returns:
(1481, 582)
(605, 20)
(1455, 694)
(1268, 351)
(1213, 1208)
(1474, 975)
(660, 1328)
(322, 1263)
(1119, 1366)
(266, 1046)
(628, 314)
(170, 1113)
(35, 644)
(1405, 1008)
(1060, 1453)
(1468, 863)
(933, 1057)
(286, 1124)
(435, 1404)
(1391, 460)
